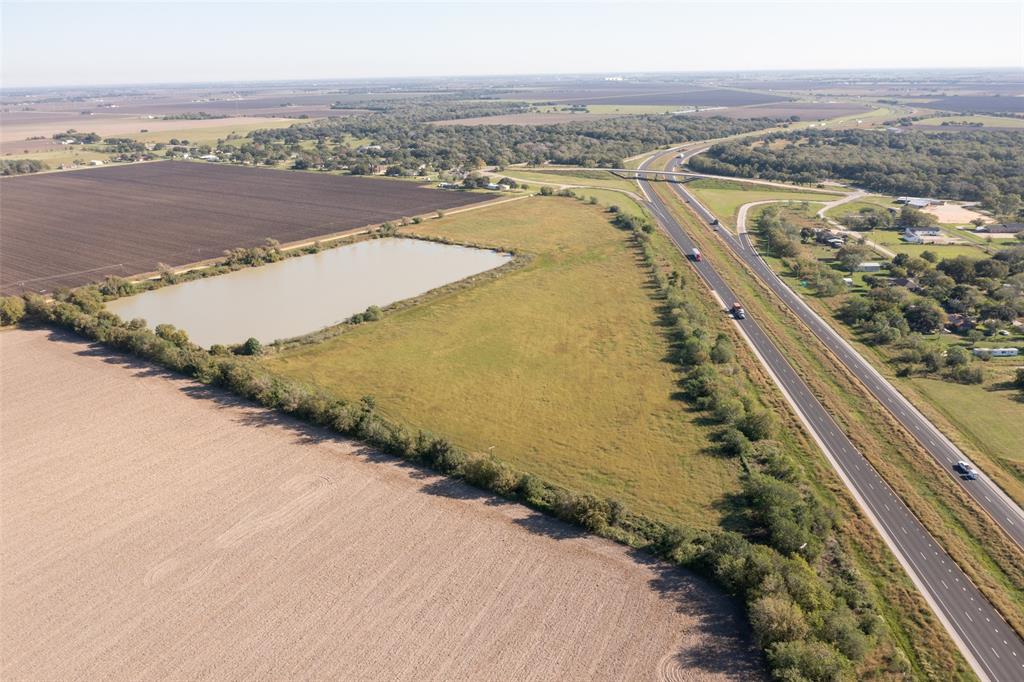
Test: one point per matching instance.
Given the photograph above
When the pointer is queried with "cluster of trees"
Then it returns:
(404, 139)
(21, 166)
(976, 165)
(880, 218)
(809, 608)
(438, 108)
(72, 134)
(979, 291)
(192, 116)
(270, 252)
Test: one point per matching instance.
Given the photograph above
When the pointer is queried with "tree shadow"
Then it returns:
(727, 646)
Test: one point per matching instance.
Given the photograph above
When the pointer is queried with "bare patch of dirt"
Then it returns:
(154, 528)
(955, 213)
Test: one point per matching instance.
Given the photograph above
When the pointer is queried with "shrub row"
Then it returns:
(814, 620)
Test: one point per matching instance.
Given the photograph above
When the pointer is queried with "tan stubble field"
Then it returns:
(153, 528)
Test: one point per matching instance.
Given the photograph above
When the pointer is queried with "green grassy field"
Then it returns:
(990, 415)
(892, 241)
(559, 366)
(724, 198)
(985, 121)
(217, 130)
(590, 178)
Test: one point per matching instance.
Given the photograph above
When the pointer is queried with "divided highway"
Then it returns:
(992, 648)
(1004, 511)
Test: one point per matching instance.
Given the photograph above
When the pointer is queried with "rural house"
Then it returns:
(995, 352)
(916, 235)
(1002, 228)
(919, 202)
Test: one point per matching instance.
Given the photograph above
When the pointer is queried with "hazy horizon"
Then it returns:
(182, 43)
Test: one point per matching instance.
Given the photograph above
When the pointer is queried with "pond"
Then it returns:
(300, 295)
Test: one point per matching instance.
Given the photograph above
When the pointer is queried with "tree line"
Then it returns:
(404, 139)
(977, 165)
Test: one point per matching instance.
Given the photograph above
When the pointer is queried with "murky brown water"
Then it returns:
(301, 295)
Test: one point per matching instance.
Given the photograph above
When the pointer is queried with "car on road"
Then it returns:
(696, 255)
(966, 471)
(738, 312)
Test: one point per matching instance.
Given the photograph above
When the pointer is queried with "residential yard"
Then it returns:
(559, 368)
(988, 416)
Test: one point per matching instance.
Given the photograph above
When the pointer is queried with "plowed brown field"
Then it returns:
(67, 229)
(155, 529)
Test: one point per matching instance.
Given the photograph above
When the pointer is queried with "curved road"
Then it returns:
(991, 647)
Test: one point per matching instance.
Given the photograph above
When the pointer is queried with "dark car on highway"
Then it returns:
(966, 471)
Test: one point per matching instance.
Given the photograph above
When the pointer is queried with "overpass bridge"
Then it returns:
(644, 174)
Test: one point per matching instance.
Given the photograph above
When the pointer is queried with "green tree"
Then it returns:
(12, 310)
(777, 619)
(252, 346)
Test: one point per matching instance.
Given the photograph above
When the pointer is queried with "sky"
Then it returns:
(94, 43)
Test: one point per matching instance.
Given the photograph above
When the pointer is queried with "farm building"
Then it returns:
(1002, 228)
(869, 266)
(995, 352)
(916, 235)
(919, 202)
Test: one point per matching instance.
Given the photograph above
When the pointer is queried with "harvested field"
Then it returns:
(522, 119)
(647, 94)
(16, 127)
(165, 531)
(67, 229)
(807, 111)
(979, 103)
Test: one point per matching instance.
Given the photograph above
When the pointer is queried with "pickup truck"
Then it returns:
(738, 312)
(696, 255)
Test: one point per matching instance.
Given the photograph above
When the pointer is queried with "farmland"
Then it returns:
(194, 536)
(979, 104)
(680, 95)
(67, 229)
(560, 366)
(807, 111)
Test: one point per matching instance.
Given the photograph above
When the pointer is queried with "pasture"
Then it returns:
(68, 229)
(559, 368)
(969, 123)
(169, 531)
